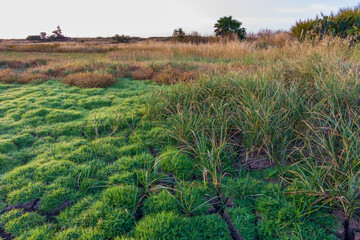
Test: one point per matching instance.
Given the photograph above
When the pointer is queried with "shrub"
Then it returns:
(12, 64)
(302, 26)
(196, 38)
(90, 80)
(345, 23)
(8, 76)
(33, 38)
(142, 74)
(268, 38)
(178, 34)
(121, 39)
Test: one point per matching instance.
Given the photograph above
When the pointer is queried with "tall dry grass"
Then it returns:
(295, 104)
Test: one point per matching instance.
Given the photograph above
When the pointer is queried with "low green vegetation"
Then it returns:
(93, 156)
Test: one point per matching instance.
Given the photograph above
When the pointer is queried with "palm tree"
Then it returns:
(226, 26)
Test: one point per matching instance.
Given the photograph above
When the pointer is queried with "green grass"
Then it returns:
(141, 161)
(91, 149)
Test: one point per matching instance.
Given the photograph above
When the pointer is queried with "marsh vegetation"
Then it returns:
(256, 139)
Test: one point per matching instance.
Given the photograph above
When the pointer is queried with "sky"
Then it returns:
(145, 18)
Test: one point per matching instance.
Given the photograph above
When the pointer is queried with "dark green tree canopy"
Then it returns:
(226, 26)
(179, 33)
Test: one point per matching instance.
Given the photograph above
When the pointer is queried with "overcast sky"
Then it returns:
(144, 18)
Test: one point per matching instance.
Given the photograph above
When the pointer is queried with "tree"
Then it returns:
(226, 26)
(121, 39)
(57, 33)
(179, 34)
(42, 36)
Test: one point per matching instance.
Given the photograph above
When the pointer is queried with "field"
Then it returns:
(164, 140)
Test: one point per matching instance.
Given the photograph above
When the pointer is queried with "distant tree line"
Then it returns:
(42, 37)
(225, 27)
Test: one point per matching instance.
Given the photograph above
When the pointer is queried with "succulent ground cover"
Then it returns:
(216, 141)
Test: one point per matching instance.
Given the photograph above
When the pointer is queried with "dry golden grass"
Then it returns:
(142, 74)
(171, 62)
(8, 76)
(90, 80)
(175, 75)
(32, 78)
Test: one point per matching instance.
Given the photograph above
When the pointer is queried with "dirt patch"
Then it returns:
(349, 229)
(216, 205)
(31, 206)
(230, 203)
(252, 161)
(4, 235)
(257, 162)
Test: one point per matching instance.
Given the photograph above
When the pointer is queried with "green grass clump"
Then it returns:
(41, 232)
(107, 220)
(169, 225)
(175, 162)
(68, 234)
(123, 196)
(8, 216)
(159, 202)
(55, 196)
(24, 140)
(7, 147)
(94, 102)
(26, 193)
(25, 222)
(62, 116)
(244, 219)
